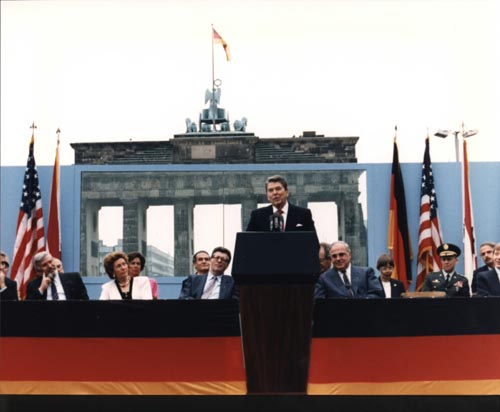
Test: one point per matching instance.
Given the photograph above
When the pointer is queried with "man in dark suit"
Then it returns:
(447, 280)
(49, 285)
(295, 218)
(486, 252)
(344, 280)
(391, 288)
(488, 282)
(8, 287)
(214, 284)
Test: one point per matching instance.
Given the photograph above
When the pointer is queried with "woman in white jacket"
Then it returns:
(123, 286)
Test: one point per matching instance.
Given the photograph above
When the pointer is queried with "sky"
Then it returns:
(135, 70)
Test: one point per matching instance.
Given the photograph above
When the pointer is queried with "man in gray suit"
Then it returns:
(343, 280)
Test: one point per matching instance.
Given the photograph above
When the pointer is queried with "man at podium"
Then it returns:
(280, 215)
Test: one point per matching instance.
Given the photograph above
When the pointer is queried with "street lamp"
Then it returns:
(465, 133)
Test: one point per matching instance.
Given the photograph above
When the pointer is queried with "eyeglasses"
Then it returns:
(203, 258)
(221, 258)
(6, 264)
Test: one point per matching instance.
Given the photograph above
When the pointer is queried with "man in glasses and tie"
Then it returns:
(344, 280)
(213, 285)
(447, 280)
(8, 287)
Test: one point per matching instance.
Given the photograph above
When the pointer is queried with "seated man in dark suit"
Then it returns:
(214, 284)
(488, 283)
(50, 285)
(343, 280)
(447, 280)
(486, 253)
(295, 218)
(391, 288)
(8, 287)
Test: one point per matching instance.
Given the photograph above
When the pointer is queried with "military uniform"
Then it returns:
(456, 285)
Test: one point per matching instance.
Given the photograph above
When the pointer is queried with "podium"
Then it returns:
(276, 273)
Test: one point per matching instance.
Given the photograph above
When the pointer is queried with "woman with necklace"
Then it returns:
(123, 286)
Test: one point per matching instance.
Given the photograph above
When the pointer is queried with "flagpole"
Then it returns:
(213, 77)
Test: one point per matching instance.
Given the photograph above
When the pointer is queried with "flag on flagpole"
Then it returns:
(29, 232)
(470, 259)
(399, 243)
(53, 227)
(429, 232)
(219, 40)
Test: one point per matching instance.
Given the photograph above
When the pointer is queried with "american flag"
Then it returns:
(429, 232)
(30, 233)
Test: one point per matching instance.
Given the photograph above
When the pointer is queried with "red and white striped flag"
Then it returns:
(29, 233)
(429, 232)
(470, 259)
(53, 227)
(219, 40)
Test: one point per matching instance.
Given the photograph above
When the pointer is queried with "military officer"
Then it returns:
(448, 280)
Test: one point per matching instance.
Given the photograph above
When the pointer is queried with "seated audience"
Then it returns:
(201, 262)
(488, 283)
(136, 264)
(391, 288)
(215, 284)
(123, 286)
(447, 280)
(344, 280)
(8, 287)
(50, 285)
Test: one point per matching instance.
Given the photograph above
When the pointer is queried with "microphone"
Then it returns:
(276, 223)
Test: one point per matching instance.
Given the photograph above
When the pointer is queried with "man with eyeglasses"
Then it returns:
(213, 285)
(325, 262)
(8, 287)
(488, 283)
(344, 280)
(447, 280)
(201, 262)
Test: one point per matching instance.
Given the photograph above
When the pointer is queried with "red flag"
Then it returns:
(429, 232)
(470, 259)
(219, 40)
(29, 233)
(399, 236)
(53, 227)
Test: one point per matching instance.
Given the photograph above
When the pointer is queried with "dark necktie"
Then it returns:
(53, 289)
(447, 279)
(347, 283)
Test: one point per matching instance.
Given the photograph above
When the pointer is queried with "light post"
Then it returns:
(465, 133)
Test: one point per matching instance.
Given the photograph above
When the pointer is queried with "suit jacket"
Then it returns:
(141, 289)
(72, 283)
(488, 283)
(11, 292)
(364, 284)
(298, 219)
(193, 285)
(397, 288)
(457, 286)
(484, 268)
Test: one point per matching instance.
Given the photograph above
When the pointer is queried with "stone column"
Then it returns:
(134, 225)
(247, 205)
(89, 238)
(183, 226)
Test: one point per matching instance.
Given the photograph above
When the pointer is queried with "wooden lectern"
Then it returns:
(276, 273)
